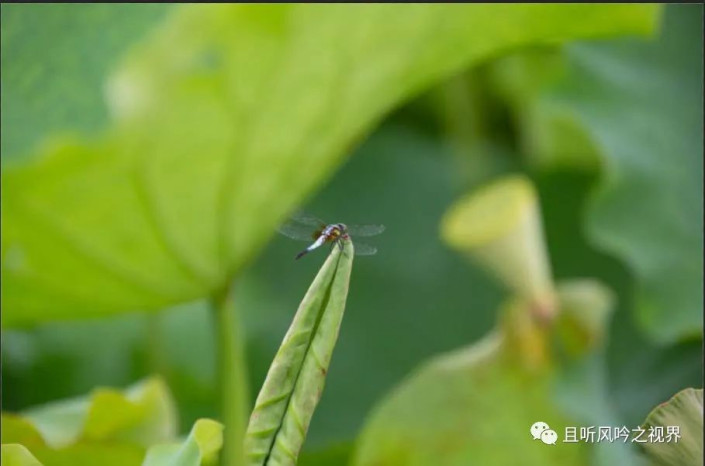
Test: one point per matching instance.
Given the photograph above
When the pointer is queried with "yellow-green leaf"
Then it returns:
(14, 454)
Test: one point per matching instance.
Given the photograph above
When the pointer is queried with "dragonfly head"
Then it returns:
(343, 228)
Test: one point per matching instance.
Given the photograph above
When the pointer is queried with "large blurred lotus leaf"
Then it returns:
(224, 120)
(201, 446)
(142, 415)
(14, 454)
(638, 105)
(684, 410)
(55, 59)
(551, 136)
(475, 406)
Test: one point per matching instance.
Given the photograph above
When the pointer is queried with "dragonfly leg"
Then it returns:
(341, 246)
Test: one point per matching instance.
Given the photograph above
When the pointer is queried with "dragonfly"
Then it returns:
(306, 227)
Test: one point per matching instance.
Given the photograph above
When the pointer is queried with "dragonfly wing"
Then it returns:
(365, 230)
(308, 219)
(362, 249)
(297, 231)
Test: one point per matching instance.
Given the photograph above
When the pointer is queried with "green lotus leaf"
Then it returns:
(640, 125)
(223, 119)
(55, 60)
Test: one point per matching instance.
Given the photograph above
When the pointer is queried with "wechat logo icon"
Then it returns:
(541, 431)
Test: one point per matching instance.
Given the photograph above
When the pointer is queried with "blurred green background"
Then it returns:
(608, 128)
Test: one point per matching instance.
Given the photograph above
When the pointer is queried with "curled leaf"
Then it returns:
(295, 381)
(143, 414)
(684, 410)
(202, 444)
(499, 225)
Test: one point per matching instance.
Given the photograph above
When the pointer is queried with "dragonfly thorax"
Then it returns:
(335, 231)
